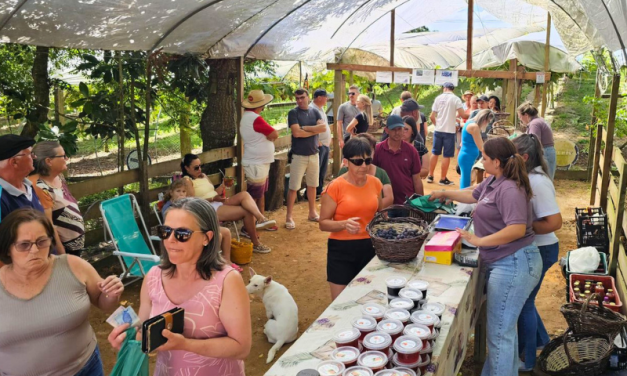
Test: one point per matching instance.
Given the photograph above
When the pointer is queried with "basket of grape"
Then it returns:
(396, 236)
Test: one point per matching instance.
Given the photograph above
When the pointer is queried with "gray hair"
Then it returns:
(484, 116)
(44, 150)
(206, 218)
(354, 87)
(530, 145)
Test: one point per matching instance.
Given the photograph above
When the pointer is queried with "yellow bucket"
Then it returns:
(241, 252)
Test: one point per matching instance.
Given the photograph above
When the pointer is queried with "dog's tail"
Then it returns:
(277, 346)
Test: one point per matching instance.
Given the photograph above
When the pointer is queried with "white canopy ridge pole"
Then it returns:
(471, 6)
(547, 49)
(392, 27)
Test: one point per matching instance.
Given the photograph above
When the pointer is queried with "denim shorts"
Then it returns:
(446, 141)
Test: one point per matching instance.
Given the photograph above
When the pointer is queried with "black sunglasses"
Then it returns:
(181, 234)
(359, 161)
(352, 93)
(196, 168)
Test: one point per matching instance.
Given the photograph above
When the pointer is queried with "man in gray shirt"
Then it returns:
(347, 112)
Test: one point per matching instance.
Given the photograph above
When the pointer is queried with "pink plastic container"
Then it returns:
(348, 337)
(365, 325)
(392, 327)
(377, 341)
(419, 331)
(399, 314)
(330, 368)
(375, 360)
(408, 349)
(346, 355)
(358, 371)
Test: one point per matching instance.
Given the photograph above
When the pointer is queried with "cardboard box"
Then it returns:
(445, 241)
(439, 257)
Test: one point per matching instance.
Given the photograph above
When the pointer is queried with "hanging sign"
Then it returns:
(540, 78)
(401, 77)
(423, 77)
(443, 76)
(384, 77)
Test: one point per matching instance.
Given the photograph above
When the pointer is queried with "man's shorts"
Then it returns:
(257, 179)
(444, 141)
(302, 164)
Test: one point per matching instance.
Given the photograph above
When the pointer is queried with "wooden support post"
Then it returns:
(510, 95)
(300, 74)
(536, 95)
(392, 39)
(547, 50)
(350, 78)
(338, 92)
(275, 195)
(471, 6)
(594, 181)
(592, 150)
(616, 227)
(608, 149)
(239, 171)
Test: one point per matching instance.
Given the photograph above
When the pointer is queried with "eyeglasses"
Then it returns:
(359, 161)
(64, 156)
(26, 246)
(352, 94)
(31, 154)
(196, 168)
(181, 234)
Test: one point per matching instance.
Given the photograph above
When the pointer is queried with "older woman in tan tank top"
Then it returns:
(45, 300)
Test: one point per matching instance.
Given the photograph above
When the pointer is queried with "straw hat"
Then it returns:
(468, 92)
(256, 98)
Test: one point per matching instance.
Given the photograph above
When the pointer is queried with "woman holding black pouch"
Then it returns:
(217, 332)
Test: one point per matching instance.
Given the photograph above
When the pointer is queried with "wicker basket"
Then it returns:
(417, 213)
(397, 250)
(241, 252)
(575, 355)
(590, 318)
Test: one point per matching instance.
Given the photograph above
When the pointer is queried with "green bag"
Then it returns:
(427, 206)
(131, 360)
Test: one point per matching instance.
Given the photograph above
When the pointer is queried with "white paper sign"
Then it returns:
(423, 77)
(384, 77)
(539, 78)
(443, 76)
(401, 77)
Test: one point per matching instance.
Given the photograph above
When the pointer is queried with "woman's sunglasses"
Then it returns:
(181, 234)
(359, 161)
(196, 168)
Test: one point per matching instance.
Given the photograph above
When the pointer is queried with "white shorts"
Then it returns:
(257, 173)
(302, 164)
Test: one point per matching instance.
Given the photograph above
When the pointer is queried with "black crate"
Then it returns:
(592, 228)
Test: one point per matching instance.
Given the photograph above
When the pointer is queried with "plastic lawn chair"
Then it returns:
(136, 257)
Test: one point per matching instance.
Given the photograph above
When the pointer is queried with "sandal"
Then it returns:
(290, 225)
(313, 219)
(237, 267)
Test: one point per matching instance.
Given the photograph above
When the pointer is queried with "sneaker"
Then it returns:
(243, 233)
(429, 179)
(273, 228)
(445, 181)
(261, 248)
(261, 225)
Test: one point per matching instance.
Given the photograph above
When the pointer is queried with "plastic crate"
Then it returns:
(603, 269)
(607, 281)
(591, 228)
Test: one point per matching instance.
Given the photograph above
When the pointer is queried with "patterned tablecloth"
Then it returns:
(459, 288)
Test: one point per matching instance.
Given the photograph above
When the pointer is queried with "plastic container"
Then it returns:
(419, 331)
(424, 318)
(308, 372)
(402, 371)
(365, 325)
(330, 368)
(428, 350)
(434, 336)
(608, 282)
(392, 327)
(603, 270)
(422, 366)
(420, 285)
(348, 337)
(435, 308)
(358, 371)
(375, 360)
(416, 367)
(408, 349)
(395, 284)
(374, 310)
(414, 295)
(399, 314)
(346, 355)
(402, 303)
(591, 228)
(396, 372)
(377, 341)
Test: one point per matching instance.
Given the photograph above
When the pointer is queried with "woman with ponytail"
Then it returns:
(504, 235)
(546, 219)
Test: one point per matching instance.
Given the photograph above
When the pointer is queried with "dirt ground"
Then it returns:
(298, 261)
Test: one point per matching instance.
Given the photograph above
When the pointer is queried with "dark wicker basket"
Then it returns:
(397, 250)
(590, 318)
(575, 355)
(417, 213)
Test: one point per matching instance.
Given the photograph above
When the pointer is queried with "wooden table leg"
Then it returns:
(480, 336)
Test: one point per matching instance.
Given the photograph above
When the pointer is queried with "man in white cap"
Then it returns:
(258, 139)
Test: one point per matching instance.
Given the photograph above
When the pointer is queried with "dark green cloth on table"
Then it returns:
(427, 206)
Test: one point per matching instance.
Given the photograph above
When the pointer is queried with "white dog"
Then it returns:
(281, 310)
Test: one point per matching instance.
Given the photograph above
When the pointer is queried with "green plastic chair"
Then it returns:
(136, 257)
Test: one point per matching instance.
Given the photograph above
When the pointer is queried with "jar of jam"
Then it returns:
(424, 318)
(576, 283)
(375, 360)
(402, 371)
(599, 290)
(426, 351)
(358, 371)
(330, 368)
(412, 366)
(586, 293)
(420, 285)
(365, 325)
(389, 372)
(348, 337)
(395, 284)
(373, 309)
(402, 303)
(377, 341)
(610, 294)
(392, 327)
(408, 349)
(435, 308)
(414, 295)
(434, 336)
(577, 291)
(399, 314)
(422, 366)
(419, 331)
(308, 372)
(346, 355)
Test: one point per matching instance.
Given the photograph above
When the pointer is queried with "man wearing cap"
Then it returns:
(16, 162)
(258, 139)
(324, 138)
(347, 112)
(400, 160)
(411, 108)
(446, 108)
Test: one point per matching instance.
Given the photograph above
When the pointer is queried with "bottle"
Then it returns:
(610, 295)
(606, 301)
(599, 290)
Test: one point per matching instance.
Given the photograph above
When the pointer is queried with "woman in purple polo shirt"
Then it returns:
(504, 235)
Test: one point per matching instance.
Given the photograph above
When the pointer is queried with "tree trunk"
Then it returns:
(218, 124)
(185, 135)
(276, 180)
(41, 85)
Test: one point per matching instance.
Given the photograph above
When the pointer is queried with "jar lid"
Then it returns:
(401, 364)
(372, 359)
(418, 284)
(330, 368)
(397, 314)
(358, 371)
(390, 326)
(435, 308)
(403, 303)
(424, 317)
(308, 372)
(427, 349)
(396, 281)
(407, 345)
(377, 340)
(373, 309)
(364, 323)
(345, 354)
(389, 372)
(347, 335)
(412, 294)
(403, 371)
(418, 330)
